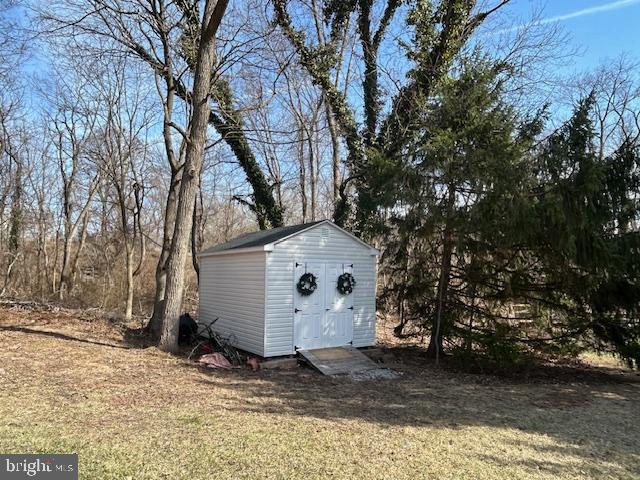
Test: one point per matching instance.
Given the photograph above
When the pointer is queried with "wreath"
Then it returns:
(307, 284)
(346, 282)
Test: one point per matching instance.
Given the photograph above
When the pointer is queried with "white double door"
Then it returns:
(324, 318)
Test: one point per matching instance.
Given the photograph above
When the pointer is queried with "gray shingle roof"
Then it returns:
(259, 238)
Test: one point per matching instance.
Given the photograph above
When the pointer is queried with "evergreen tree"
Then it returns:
(586, 236)
(498, 247)
(468, 156)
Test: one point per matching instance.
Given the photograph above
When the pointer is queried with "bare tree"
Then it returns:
(139, 27)
(615, 86)
(12, 137)
(40, 180)
(120, 152)
(13, 143)
(205, 63)
(72, 126)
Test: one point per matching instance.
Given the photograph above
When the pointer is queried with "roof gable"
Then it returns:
(264, 238)
(259, 238)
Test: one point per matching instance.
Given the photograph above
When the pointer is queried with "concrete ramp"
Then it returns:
(339, 360)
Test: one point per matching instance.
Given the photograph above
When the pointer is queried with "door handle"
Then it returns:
(327, 309)
(350, 308)
(296, 310)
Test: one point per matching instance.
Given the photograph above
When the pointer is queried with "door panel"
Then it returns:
(309, 309)
(336, 327)
(310, 326)
(339, 308)
(324, 318)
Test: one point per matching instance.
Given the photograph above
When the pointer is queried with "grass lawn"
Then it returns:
(142, 414)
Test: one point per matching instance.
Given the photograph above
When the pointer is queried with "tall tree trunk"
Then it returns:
(370, 78)
(54, 264)
(303, 176)
(128, 313)
(213, 12)
(335, 154)
(434, 350)
(76, 259)
(312, 175)
(15, 231)
(64, 268)
(154, 327)
(195, 229)
(15, 221)
(40, 274)
(70, 230)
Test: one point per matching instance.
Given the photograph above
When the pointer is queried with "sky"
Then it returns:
(603, 29)
(599, 29)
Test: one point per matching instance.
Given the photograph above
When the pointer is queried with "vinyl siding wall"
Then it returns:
(312, 245)
(232, 289)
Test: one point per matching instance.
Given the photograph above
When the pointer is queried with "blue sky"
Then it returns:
(603, 28)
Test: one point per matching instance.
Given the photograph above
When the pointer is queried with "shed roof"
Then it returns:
(259, 238)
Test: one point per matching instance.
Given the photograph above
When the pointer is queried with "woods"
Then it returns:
(135, 133)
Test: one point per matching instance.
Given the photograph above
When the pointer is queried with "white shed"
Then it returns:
(250, 284)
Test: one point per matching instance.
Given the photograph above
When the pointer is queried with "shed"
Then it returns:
(250, 285)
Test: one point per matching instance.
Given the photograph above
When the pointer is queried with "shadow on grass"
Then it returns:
(61, 336)
(592, 416)
(583, 416)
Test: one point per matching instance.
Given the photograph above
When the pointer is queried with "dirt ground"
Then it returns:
(71, 384)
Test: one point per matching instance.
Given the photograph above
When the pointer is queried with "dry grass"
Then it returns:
(142, 414)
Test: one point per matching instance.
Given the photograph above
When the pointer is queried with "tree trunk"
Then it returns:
(303, 177)
(54, 264)
(64, 268)
(370, 78)
(342, 207)
(15, 231)
(312, 175)
(434, 350)
(213, 11)
(76, 259)
(154, 327)
(335, 154)
(128, 313)
(40, 273)
(195, 228)
(70, 230)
